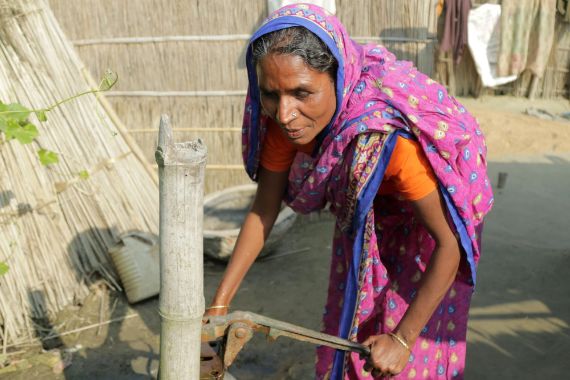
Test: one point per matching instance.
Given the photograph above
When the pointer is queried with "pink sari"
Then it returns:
(380, 250)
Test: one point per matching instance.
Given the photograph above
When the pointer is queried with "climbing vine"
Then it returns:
(15, 125)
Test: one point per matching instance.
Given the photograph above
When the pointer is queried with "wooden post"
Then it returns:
(181, 306)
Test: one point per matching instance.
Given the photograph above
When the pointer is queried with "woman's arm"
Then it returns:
(388, 355)
(255, 229)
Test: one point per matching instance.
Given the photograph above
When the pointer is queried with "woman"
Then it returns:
(402, 167)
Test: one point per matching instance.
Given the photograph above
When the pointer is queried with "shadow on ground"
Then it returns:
(520, 317)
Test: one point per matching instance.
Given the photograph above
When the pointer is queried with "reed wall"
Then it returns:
(164, 68)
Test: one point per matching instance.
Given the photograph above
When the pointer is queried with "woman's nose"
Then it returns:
(285, 111)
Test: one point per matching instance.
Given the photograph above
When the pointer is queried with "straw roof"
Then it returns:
(56, 228)
(186, 58)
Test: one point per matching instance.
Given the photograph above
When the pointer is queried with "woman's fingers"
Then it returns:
(376, 372)
(386, 356)
(212, 313)
(368, 341)
(375, 368)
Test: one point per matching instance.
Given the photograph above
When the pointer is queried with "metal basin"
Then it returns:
(224, 212)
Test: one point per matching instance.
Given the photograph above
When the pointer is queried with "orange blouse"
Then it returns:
(408, 174)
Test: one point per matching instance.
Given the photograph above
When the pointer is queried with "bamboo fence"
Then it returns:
(186, 58)
(56, 228)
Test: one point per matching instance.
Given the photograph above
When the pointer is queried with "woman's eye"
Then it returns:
(268, 95)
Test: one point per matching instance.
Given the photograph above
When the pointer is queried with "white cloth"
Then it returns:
(483, 37)
(329, 5)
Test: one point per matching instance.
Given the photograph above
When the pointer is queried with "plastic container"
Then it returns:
(136, 258)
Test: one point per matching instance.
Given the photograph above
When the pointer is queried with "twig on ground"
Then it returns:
(5, 339)
(14, 353)
(102, 299)
(129, 316)
(114, 306)
(278, 256)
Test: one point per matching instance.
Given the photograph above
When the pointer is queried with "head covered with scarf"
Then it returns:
(377, 99)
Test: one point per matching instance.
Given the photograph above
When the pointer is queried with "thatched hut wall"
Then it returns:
(163, 65)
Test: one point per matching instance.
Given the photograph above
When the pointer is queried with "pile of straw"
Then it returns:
(56, 228)
(191, 66)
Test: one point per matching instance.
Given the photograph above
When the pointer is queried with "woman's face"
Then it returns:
(299, 98)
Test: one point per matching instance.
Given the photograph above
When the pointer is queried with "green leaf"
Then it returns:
(11, 129)
(25, 134)
(41, 115)
(3, 268)
(84, 174)
(14, 111)
(108, 81)
(47, 157)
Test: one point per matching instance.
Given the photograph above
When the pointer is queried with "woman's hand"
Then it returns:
(388, 357)
(213, 311)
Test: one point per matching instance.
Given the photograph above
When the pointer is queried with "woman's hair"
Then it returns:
(297, 41)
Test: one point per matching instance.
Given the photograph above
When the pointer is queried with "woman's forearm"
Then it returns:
(438, 277)
(440, 271)
(255, 229)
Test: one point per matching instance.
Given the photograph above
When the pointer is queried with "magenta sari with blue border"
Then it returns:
(380, 250)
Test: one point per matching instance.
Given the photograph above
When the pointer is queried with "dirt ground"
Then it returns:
(520, 316)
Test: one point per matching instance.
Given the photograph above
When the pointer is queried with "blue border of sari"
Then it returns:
(363, 205)
(466, 241)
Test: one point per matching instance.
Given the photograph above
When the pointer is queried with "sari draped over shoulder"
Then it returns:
(380, 250)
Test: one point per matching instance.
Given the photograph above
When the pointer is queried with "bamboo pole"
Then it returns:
(178, 93)
(181, 305)
(222, 37)
(189, 129)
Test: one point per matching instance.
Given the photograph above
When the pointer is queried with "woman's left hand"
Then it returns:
(387, 356)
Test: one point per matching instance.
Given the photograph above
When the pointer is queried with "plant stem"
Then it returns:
(49, 108)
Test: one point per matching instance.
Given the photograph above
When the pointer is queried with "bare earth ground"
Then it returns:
(519, 322)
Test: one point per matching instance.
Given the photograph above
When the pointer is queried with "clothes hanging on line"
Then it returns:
(484, 32)
(527, 35)
(564, 9)
(455, 28)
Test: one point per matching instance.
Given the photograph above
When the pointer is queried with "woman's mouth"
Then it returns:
(294, 134)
